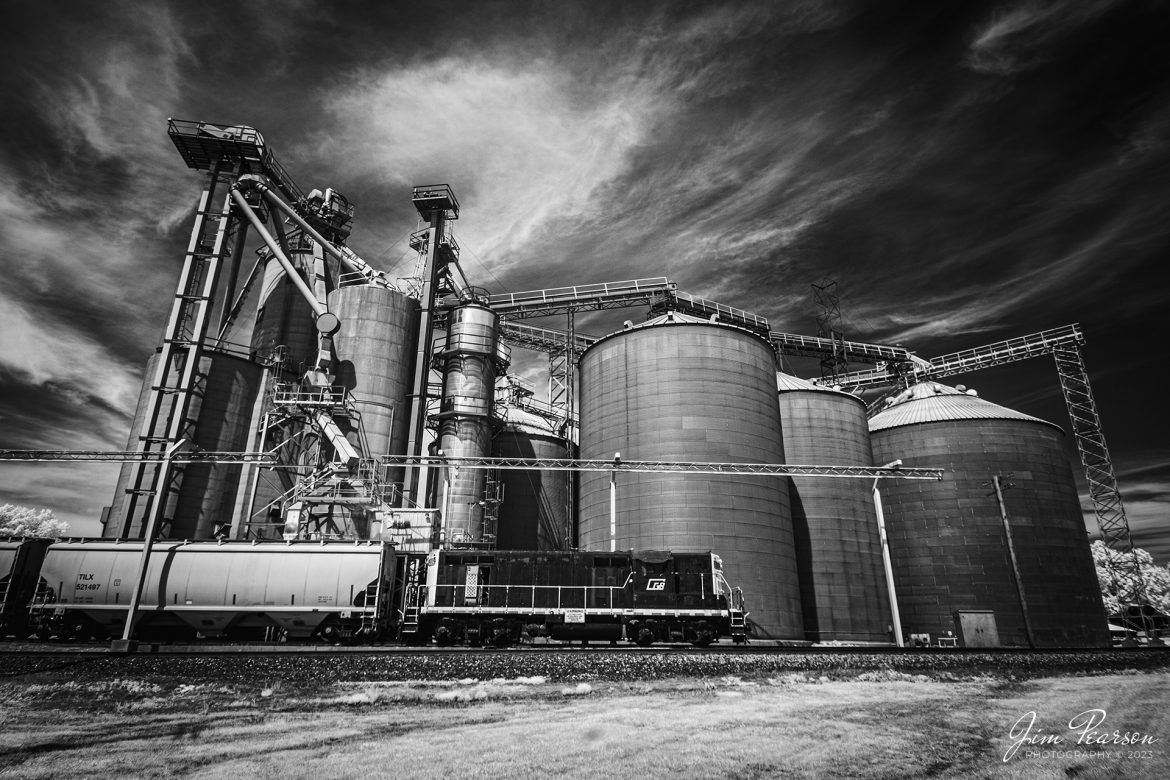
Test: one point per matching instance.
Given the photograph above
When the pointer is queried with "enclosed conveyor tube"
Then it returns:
(344, 452)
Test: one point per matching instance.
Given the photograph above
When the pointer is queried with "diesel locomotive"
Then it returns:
(344, 592)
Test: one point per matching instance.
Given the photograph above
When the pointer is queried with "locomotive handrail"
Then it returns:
(481, 598)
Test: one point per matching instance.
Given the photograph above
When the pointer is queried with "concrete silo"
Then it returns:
(947, 539)
(535, 513)
(838, 549)
(679, 388)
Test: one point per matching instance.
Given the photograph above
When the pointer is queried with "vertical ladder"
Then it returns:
(173, 385)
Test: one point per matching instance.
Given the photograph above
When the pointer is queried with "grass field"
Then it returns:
(874, 725)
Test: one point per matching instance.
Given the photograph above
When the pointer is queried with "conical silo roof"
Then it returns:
(787, 383)
(928, 402)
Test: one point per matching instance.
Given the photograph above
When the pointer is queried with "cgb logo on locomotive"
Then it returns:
(658, 583)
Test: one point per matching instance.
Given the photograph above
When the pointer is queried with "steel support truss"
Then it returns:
(690, 467)
(1128, 582)
(516, 464)
(136, 456)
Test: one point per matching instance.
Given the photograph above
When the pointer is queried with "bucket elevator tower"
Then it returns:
(282, 393)
(437, 251)
(149, 492)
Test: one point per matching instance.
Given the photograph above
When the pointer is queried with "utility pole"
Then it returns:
(895, 615)
(617, 461)
(999, 480)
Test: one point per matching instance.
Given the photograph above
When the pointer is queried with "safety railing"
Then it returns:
(583, 292)
(1019, 348)
(330, 397)
(547, 597)
(692, 304)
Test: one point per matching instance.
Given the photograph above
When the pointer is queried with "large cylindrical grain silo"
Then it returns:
(535, 513)
(947, 539)
(374, 351)
(838, 549)
(679, 388)
(222, 408)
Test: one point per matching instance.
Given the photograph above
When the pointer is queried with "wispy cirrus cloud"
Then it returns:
(1018, 35)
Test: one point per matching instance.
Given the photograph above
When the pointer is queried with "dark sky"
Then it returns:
(966, 172)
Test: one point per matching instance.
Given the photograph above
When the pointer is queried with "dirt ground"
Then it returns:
(877, 725)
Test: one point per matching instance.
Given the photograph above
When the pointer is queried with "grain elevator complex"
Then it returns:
(297, 393)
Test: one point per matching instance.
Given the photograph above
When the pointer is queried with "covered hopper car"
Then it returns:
(228, 590)
(365, 591)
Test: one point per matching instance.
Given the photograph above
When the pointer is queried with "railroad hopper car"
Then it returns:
(20, 560)
(496, 597)
(229, 590)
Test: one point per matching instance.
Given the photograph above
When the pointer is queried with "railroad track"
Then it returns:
(302, 666)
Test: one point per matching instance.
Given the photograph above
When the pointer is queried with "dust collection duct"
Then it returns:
(838, 548)
(679, 388)
(534, 514)
(947, 540)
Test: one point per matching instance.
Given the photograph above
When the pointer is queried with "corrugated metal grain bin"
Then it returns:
(679, 388)
(535, 512)
(838, 550)
(947, 540)
(375, 361)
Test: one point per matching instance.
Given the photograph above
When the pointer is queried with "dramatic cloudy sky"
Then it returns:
(966, 172)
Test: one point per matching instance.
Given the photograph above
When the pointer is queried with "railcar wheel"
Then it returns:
(444, 636)
(645, 637)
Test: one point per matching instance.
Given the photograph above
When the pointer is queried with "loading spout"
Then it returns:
(344, 452)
